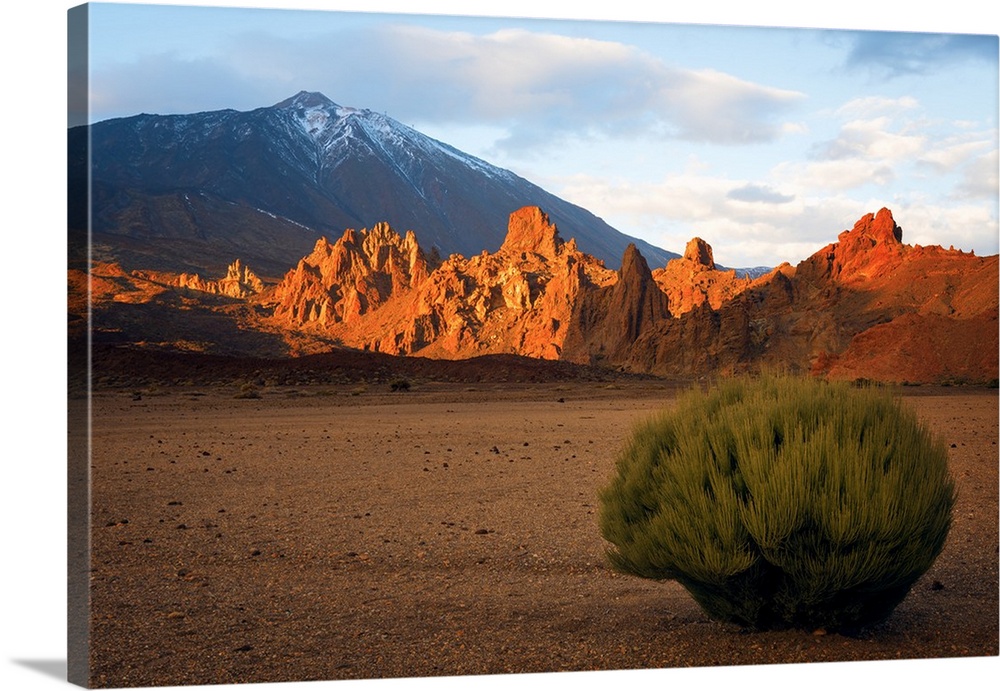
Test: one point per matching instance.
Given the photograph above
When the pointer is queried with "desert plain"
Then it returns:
(346, 531)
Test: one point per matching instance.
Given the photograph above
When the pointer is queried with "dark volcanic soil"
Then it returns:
(334, 531)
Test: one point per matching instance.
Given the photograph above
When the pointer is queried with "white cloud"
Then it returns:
(538, 86)
(980, 179)
(893, 145)
(949, 155)
(834, 175)
(873, 140)
(798, 221)
(970, 227)
(870, 106)
(542, 85)
(753, 193)
(707, 105)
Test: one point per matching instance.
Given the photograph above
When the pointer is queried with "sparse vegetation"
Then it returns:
(248, 390)
(399, 384)
(782, 502)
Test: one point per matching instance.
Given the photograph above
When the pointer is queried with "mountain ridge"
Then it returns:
(191, 190)
(864, 307)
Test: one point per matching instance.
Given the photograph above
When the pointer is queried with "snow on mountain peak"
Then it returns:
(332, 126)
(312, 111)
(314, 121)
(307, 99)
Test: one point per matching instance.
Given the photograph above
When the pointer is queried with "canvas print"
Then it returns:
(424, 346)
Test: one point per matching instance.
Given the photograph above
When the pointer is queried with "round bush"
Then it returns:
(782, 502)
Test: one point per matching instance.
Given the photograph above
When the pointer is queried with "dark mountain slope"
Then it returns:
(272, 180)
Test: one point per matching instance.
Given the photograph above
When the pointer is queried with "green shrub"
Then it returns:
(248, 390)
(399, 384)
(782, 502)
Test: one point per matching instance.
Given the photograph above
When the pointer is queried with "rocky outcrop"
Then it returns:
(517, 300)
(693, 280)
(239, 282)
(867, 251)
(699, 253)
(529, 231)
(606, 323)
(867, 306)
(342, 281)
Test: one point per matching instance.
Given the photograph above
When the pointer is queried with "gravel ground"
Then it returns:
(337, 533)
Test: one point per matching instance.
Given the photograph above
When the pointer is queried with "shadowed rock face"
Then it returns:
(866, 306)
(608, 321)
(636, 298)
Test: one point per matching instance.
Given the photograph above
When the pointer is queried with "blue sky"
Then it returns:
(766, 142)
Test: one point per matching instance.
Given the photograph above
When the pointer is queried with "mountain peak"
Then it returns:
(306, 99)
(307, 165)
(313, 111)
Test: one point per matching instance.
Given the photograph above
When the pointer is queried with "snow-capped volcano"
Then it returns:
(274, 178)
(337, 129)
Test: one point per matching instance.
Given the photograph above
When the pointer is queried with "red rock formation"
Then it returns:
(340, 282)
(867, 306)
(517, 300)
(693, 280)
(529, 231)
(867, 251)
(240, 282)
(699, 252)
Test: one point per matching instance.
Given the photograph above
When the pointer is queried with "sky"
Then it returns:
(765, 142)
